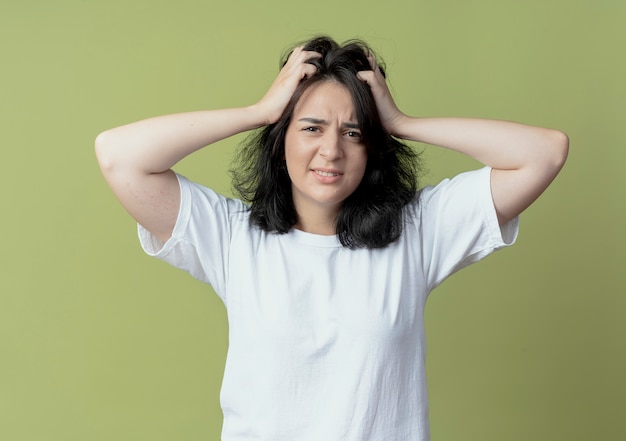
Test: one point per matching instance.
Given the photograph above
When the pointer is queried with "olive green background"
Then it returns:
(100, 342)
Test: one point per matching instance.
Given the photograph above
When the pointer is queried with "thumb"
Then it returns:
(367, 76)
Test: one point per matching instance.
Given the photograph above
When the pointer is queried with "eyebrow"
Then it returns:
(323, 122)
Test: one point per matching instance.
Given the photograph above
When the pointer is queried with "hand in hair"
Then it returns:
(295, 69)
(524, 159)
(388, 111)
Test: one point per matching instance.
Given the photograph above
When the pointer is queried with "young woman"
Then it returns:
(326, 266)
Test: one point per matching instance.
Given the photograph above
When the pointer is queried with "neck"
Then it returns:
(323, 225)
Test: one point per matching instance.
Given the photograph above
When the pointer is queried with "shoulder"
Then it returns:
(467, 191)
(200, 198)
(455, 203)
(466, 184)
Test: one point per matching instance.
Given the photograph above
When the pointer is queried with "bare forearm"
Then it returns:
(500, 144)
(524, 159)
(154, 145)
(136, 159)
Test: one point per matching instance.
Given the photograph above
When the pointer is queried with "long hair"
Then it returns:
(372, 216)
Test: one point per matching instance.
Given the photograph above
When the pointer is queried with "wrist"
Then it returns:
(398, 126)
(256, 116)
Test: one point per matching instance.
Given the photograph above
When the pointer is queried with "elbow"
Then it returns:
(104, 152)
(558, 149)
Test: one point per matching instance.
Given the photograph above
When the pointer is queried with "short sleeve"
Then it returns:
(200, 241)
(459, 224)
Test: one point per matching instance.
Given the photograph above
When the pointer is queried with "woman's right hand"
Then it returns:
(390, 115)
(136, 158)
(282, 89)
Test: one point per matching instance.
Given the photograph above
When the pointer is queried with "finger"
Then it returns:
(372, 61)
(300, 61)
(374, 65)
(308, 70)
(310, 55)
(302, 54)
(367, 76)
(304, 65)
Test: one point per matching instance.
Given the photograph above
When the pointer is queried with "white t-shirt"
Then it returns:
(327, 343)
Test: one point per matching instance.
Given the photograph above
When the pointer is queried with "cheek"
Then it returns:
(298, 152)
(292, 158)
(295, 162)
(289, 153)
(360, 164)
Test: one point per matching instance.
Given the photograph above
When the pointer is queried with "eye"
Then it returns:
(354, 134)
(311, 129)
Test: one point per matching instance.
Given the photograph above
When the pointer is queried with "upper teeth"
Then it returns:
(323, 173)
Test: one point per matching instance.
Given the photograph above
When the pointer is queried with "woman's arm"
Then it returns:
(136, 159)
(524, 159)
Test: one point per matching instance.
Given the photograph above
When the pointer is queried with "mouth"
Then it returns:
(327, 173)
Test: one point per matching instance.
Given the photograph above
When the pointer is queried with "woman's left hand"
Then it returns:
(388, 111)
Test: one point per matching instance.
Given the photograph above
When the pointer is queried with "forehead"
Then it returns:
(328, 97)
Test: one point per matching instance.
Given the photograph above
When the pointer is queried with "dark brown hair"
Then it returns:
(372, 216)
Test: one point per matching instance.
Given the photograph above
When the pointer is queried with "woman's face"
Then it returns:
(325, 155)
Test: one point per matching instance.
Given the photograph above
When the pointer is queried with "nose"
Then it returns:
(330, 147)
